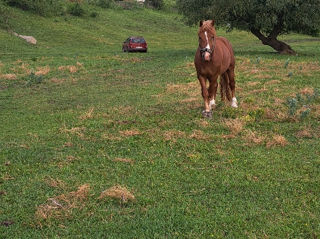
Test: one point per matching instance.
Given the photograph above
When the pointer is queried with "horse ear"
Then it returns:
(201, 23)
(212, 22)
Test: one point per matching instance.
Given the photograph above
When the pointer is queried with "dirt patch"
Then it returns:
(118, 192)
(62, 205)
(277, 140)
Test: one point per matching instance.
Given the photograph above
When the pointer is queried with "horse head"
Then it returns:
(207, 39)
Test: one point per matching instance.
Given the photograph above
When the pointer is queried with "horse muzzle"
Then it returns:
(206, 54)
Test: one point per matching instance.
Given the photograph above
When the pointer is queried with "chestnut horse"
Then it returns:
(214, 58)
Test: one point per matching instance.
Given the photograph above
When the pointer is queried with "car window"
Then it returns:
(138, 40)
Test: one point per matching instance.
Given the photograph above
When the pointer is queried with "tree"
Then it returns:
(266, 19)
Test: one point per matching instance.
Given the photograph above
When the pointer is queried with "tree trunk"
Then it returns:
(272, 41)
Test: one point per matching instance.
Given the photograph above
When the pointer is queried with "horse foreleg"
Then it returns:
(213, 90)
(232, 85)
(204, 91)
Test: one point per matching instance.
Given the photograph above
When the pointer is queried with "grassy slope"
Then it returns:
(192, 178)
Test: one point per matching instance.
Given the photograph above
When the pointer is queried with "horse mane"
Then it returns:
(207, 27)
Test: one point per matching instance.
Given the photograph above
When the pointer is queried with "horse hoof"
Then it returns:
(207, 114)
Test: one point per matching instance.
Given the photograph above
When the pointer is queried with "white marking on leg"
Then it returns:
(208, 46)
(212, 103)
(234, 102)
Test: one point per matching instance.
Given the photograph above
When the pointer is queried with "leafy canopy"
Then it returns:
(268, 16)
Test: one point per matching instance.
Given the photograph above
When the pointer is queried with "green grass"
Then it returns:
(247, 173)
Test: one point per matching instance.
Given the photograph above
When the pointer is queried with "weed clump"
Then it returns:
(33, 79)
(301, 104)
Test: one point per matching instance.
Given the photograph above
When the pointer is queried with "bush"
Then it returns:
(158, 4)
(101, 3)
(41, 7)
(5, 15)
(76, 10)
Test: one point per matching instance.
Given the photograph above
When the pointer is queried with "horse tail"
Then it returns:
(224, 87)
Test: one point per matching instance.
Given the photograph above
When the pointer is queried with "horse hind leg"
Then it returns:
(232, 85)
(224, 87)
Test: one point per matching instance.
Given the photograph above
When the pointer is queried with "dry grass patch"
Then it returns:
(112, 137)
(87, 115)
(253, 83)
(78, 131)
(124, 160)
(22, 69)
(190, 100)
(128, 133)
(55, 183)
(275, 114)
(202, 123)
(252, 137)
(307, 91)
(272, 82)
(277, 140)
(305, 133)
(71, 69)
(118, 192)
(57, 81)
(234, 125)
(199, 135)
(191, 89)
(256, 91)
(62, 205)
(42, 70)
(8, 76)
(173, 135)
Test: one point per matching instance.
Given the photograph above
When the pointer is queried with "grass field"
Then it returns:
(96, 143)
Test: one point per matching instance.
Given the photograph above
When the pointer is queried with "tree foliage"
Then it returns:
(266, 19)
(41, 7)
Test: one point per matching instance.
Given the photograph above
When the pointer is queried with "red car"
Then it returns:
(135, 44)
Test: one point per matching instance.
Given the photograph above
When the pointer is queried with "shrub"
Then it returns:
(5, 15)
(101, 3)
(41, 7)
(76, 10)
(158, 4)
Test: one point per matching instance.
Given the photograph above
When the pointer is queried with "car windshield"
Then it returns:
(138, 40)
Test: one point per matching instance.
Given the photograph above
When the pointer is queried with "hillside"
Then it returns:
(97, 143)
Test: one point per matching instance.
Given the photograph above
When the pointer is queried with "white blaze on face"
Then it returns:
(207, 54)
(208, 46)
